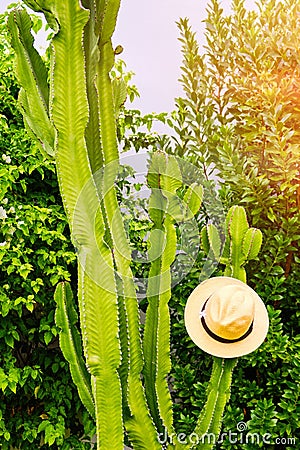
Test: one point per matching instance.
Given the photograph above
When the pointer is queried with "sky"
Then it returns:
(148, 33)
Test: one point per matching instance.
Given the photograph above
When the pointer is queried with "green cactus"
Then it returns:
(35, 95)
(241, 245)
(211, 240)
(70, 343)
(121, 374)
(164, 179)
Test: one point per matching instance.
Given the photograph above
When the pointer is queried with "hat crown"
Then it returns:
(230, 311)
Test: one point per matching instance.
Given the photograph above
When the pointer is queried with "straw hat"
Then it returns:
(226, 318)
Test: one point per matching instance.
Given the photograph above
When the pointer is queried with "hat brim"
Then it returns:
(203, 340)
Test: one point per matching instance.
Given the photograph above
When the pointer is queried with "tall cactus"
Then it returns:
(121, 375)
(79, 110)
(165, 208)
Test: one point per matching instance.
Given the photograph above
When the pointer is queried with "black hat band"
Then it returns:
(219, 338)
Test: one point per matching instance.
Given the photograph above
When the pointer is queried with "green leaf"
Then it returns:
(44, 6)
(170, 177)
(9, 340)
(48, 336)
(157, 166)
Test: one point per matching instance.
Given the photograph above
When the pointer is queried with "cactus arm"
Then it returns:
(207, 412)
(70, 110)
(218, 393)
(251, 243)
(223, 396)
(100, 133)
(92, 134)
(164, 179)
(163, 360)
(107, 10)
(170, 181)
(139, 424)
(70, 344)
(157, 206)
(107, 21)
(32, 74)
(106, 390)
(237, 226)
(242, 243)
(150, 343)
(100, 312)
(106, 104)
(209, 423)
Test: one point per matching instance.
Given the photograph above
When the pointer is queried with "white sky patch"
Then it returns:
(149, 35)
